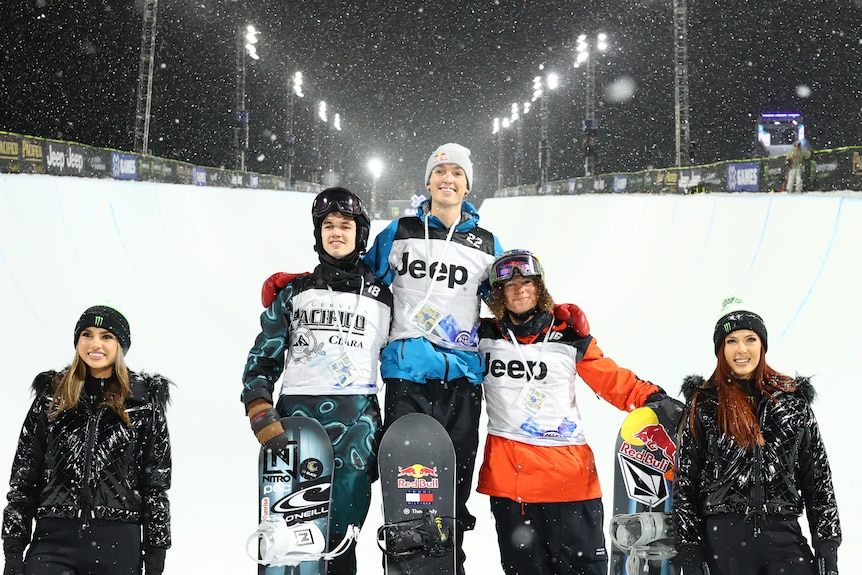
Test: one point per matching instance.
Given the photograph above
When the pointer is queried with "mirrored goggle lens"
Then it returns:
(525, 265)
(343, 203)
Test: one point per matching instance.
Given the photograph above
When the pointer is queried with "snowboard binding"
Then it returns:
(643, 537)
(428, 535)
(280, 544)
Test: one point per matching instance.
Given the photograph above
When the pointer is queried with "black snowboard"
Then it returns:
(417, 478)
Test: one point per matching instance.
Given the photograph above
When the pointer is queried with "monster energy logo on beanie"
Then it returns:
(107, 318)
(736, 315)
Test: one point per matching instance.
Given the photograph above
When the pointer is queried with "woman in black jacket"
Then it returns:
(93, 464)
(750, 460)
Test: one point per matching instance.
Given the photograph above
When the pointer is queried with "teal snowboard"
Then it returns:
(294, 501)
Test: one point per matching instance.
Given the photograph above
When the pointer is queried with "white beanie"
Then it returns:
(451, 154)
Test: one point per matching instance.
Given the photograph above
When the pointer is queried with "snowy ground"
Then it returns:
(186, 263)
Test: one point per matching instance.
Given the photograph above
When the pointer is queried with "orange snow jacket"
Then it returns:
(529, 471)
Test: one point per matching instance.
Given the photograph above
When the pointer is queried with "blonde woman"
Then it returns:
(93, 464)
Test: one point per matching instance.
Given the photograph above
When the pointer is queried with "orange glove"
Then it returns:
(274, 284)
(574, 316)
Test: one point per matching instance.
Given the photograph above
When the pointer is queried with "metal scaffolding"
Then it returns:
(680, 83)
(145, 78)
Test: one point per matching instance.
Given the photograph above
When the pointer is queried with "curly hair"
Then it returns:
(497, 300)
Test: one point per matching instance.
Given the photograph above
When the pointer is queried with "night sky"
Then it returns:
(407, 76)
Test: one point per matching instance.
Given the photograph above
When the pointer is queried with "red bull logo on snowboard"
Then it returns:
(422, 477)
(661, 464)
(655, 438)
(645, 457)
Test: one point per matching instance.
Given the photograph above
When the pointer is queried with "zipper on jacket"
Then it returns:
(86, 512)
(757, 504)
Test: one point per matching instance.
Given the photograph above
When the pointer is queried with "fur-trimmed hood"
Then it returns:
(144, 386)
(691, 383)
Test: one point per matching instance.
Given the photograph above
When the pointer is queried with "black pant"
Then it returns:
(457, 405)
(551, 538)
(65, 546)
(735, 546)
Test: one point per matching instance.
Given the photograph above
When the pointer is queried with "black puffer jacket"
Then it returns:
(716, 476)
(88, 464)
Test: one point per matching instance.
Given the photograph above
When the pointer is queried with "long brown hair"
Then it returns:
(69, 385)
(735, 414)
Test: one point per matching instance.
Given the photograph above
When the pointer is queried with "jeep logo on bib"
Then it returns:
(453, 275)
(515, 369)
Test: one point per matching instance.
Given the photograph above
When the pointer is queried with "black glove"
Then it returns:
(669, 410)
(154, 560)
(14, 566)
(14, 552)
(826, 555)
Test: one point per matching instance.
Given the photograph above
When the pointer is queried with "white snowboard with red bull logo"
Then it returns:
(417, 478)
(640, 529)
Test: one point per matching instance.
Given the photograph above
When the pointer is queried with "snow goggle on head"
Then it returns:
(337, 199)
(521, 261)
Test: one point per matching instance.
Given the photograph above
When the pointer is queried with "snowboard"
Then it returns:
(294, 499)
(640, 529)
(417, 477)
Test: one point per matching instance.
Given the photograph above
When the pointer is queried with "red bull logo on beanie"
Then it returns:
(440, 158)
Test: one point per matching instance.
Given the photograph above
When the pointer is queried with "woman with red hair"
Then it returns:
(750, 459)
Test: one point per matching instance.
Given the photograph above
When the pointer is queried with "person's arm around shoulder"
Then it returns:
(377, 258)
(274, 284)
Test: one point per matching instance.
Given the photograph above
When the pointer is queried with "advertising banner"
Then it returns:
(743, 176)
(124, 166)
(63, 159)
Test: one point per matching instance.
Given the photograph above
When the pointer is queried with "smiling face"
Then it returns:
(448, 185)
(742, 349)
(338, 235)
(98, 349)
(521, 294)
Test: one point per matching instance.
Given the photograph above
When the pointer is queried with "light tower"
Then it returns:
(246, 39)
(586, 49)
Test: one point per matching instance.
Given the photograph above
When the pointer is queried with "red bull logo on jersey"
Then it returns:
(417, 476)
